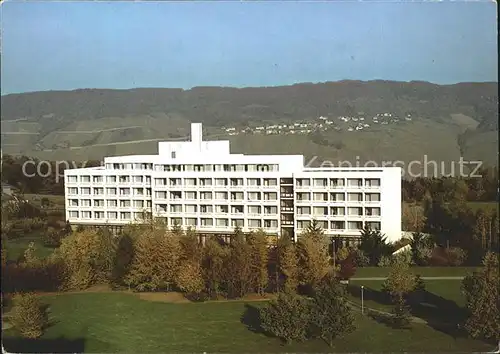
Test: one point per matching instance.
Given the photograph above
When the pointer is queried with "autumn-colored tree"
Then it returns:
(214, 256)
(156, 260)
(190, 276)
(288, 264)
(28, 315)
(259, 260)
(413, 218)
(483, 301)
(30, 257)
(238, 274)
(313, 256)
(87, 257)
(398, 284)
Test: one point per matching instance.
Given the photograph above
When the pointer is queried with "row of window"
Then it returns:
(194, 168)
(250, 196)
(219, 209)
(337, 182)
(338, 211)
(110, 203)
(223, 222)
(340, 225)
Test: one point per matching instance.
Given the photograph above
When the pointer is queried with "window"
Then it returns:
(190, 182)
(270, 210)
(236, 195)
(125, 215)
(372, 211)
(354, 182)
(372, 197)
(337, 182)
(190, 208)
(99, 203)
(253, 209)
(355, 225)
(236, 182)
(124, 191)
(173, 154)
(269, 182)
(354, 197)
(175, 181)
(205, 222)
(222, 209)
(138, 191)
(205, 209)
(73, 202)
(86, 191)
(111, 179)
(221, 181)
(111, 191)
(303, 196)
(112, 215)
(124, 203)
(176, 221)
(161, 208)
(254, 223)
(303, 182)
(112, 203)
(85, 179)
(372, 182)
(99, 214)
(321, 197)
(303, 224)
(253, 196)
(72, 179)
(73, 214)
(270, 196)
(72, 190)
(138, 203)
(237, 223)
(99, 191)
(85, 202)
(86, 215)
(175, 195)
(373, 225)
(191, 222)
(320, 211)
(319, 182)
(124, 179)
(270, 224)
(337, 197)
(97, 179)
(161, 195)
(138, 179)
(355, 211)
(205, 182)
(190, 195)
(221, 222)
(160, 181)
(221, 195)
(237, 209)
(337, 225)
(253, 182)
(176, 208)
(337, 211)
(304, 210)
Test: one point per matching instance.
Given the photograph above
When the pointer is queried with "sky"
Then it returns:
(71, 45)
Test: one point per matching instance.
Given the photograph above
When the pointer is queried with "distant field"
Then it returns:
(56, 201)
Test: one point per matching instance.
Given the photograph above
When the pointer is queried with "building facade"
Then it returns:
(200, 184)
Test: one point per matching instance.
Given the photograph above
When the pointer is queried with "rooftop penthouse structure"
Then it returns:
(200, 185)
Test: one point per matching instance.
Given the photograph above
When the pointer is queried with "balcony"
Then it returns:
(286, 195)
(286, 209)
(287, 223)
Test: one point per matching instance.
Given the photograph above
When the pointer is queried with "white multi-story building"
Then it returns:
(200, 184)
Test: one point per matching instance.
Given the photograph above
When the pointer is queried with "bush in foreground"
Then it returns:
(331, 315)
(28, 315)
(287, 317)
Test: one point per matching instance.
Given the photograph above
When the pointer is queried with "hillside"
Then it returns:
(375, 120)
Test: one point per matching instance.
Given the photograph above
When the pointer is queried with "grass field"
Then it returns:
(118, 322)
(366, 272)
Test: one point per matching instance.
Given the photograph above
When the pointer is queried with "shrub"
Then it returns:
(287, 317)
(455, 256)
(404, 256)
(384, 261)
(28, 316)
(360, 259)
(347, 268)
(342, 254)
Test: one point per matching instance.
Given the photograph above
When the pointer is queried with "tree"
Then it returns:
(30, 257)
(287, 317)
(347, 267)
(331, 315)
(28, 315)
(420, 249)
(398, 284)
(156, 260)
(288, 264)
(373, 245)
(214, 256)
(123, 258)
(87, 257)
(483, 301)
(313, 256)
(238, 267)
(190, 276)
(259, 260)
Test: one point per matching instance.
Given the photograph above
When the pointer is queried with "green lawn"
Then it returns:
(16, 247)
(423, 271)
(483, 205)
(118, 322)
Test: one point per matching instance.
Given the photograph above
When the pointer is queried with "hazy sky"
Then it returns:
(68, 45)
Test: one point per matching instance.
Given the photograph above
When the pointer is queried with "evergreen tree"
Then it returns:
(259, 260)
(331, 314)
(288, 264)
(483, 301)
